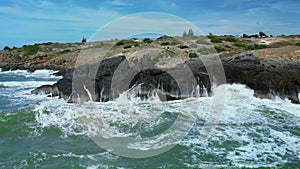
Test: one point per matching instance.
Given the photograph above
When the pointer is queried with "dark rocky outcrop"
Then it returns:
(50, 90)
(112, 76)
(32, 68)
(267, 77)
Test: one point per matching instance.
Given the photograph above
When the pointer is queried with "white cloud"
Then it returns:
(118, 3)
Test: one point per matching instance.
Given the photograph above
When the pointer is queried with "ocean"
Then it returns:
(37, 131)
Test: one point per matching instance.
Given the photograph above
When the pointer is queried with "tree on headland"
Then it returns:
(191, 32)
(262, 34)
(245, 36)
(83, 40)
(6, 48)
(259, 35)
(254, 36)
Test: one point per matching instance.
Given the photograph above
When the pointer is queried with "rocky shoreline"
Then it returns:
(270, 66)
(267, 77)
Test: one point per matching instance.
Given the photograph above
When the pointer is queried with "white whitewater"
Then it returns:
(244, 117)
(88, 92)
(256, 128)
(251, 132)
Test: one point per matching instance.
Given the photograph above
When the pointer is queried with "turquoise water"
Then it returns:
(41, 132)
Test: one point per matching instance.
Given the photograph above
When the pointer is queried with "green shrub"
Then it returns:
(183, 46)
(298, 44)
(239, 44)
(136, 44)
(147, 40)
(120, 43)
(193, 55)
(215, 39)
(250, 47)
(219, 49)
(256, 46)
(230, 39)
(127, 46)
(173, 43)
(31, 49)
(165, 43)
(260, 46)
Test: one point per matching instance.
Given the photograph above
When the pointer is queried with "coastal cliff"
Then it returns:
(267, 77)
(269, 66)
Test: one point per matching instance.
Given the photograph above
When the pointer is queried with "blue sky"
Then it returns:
(36, 21)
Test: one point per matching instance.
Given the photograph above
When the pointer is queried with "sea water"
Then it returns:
(37, 131)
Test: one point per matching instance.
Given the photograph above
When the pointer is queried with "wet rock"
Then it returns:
(267, 77)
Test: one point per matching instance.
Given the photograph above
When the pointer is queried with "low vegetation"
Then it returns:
(165, 43)
(220, 49)
(193, 55)
(189, 46)
(215, 39)
(147, 40)
(220, 39)
(256, 46)
(183, 46)
(127, 46)
(239, 44)
(30, 49)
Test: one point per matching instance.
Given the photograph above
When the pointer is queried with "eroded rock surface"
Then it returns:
(106, 80)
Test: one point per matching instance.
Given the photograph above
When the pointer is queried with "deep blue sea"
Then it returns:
(37, 131)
